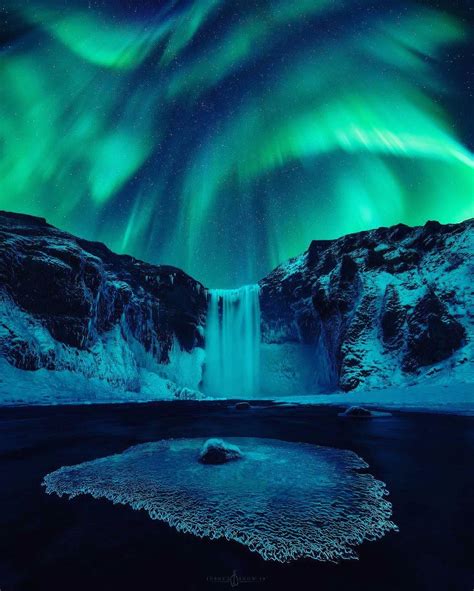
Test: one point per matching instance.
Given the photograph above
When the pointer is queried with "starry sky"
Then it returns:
(222, 136)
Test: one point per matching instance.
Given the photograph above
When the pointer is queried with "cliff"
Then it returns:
(380, 308)
(73, 305)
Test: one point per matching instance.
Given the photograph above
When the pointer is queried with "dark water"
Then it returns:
(51, 543)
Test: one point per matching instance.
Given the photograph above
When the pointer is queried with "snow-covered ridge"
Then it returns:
(75, 307)
(387, 307)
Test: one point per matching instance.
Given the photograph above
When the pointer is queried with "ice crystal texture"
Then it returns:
(283, 500)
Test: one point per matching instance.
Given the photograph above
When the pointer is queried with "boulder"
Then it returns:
(242, 405)
(217, 451)
(357, 412)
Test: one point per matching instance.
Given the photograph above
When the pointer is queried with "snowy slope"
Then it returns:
(392, 306)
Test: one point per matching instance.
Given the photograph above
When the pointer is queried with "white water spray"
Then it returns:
(233, 342)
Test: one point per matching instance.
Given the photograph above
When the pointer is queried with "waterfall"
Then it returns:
(233, 342)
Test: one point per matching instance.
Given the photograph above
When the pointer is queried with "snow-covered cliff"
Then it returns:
(75, 307)
(386, 307)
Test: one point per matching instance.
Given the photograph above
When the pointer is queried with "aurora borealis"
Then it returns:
(222, 136)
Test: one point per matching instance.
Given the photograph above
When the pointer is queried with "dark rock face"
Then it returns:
(384, 304)
(348, 269)
(79, 291)
(433, 333)
(392, 318)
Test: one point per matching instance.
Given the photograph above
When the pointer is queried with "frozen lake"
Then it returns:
(51, 543)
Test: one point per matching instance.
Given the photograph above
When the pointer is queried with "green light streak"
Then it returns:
(94, 38)
(223, 138)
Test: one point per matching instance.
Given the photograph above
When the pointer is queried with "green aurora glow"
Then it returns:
(221, 136)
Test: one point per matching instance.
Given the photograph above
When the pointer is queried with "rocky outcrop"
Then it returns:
(382, 307)
(66, 303)
(433, 333)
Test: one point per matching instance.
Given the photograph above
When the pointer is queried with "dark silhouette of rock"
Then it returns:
(348, 268)
(433, 333)
(242, 405)
(375, 258)
(357, 412)
(316, 248)
(217, 451)
(321, 301)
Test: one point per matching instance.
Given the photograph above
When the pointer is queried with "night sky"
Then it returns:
(222, 136)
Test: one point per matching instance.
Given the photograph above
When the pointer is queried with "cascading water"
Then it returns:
(233, 342)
